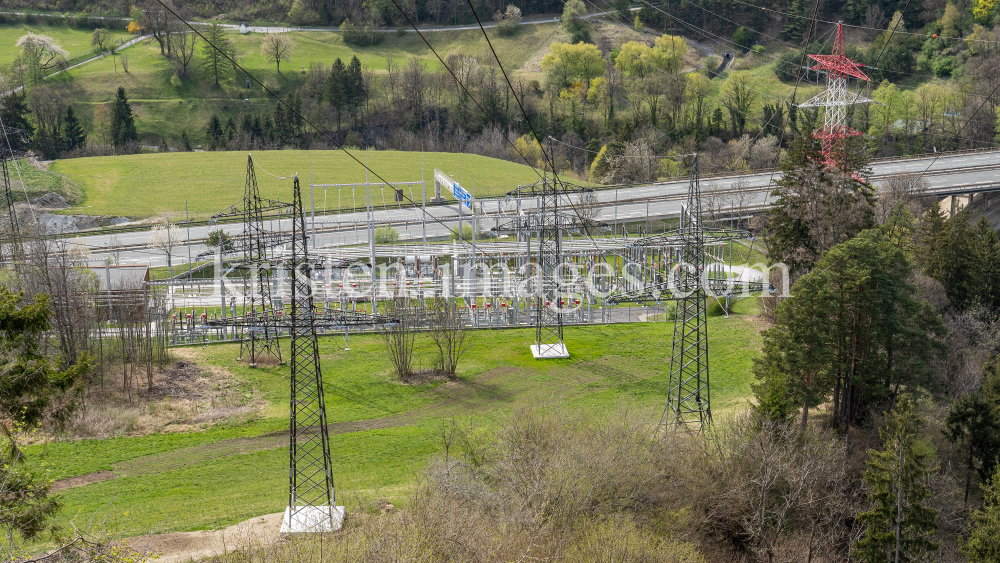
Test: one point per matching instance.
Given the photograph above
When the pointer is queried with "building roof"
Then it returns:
(123, 278)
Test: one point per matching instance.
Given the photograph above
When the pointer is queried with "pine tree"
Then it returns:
(959, 262)
(214, 132)
(122, 120)
(933, 243)
(230, 129)
(185, 142)
(14, 113)
(794, 23)
(988, 246)
(897, 526)
(334, 88)
(983, 545)
(797, 356)
(974, 426)
(355, 87)
(73, 135)
(214, 58)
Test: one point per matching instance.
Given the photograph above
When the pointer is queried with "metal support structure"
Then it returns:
(311, 496)
(689, 401)
(836, 99)
(548, 299)
(262, 338)
(12, 230)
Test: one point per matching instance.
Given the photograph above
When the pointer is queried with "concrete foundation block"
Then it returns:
(549, 351)
(312, 519)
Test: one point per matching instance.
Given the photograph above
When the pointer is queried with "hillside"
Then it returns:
(160, 184)
(220, 459)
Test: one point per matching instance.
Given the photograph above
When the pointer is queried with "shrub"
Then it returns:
(743, 38)
(359, 37)
(352, 140)
(466, 233)
(944, 66)
(386, 235)
(509, 21)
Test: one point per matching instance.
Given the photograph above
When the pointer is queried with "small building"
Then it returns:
(124, 279)
(244, 28)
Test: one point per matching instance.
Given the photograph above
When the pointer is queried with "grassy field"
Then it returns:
(75, 41)
(382, 433)
(165, 108)
(159, 184)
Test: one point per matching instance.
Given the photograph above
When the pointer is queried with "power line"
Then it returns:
(288, 106)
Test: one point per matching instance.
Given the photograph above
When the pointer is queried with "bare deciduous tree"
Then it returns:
(276, 48)
(774, 482)
(164, 237)
(894, 192)
(399, 337)
(184, 51)
(450, 335)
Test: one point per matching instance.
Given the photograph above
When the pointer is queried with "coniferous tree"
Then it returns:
(213, 133)
(961, 273)
(795, 24)
(983, 545)
(851, 333)
(230, 128)
(898, 527)
(933, 243)
(974, 426)
(215, 51)
(334, 89)
(988, 246)
(73, 134)
(185, 142)
(816, 207)
(14, 112)
(122, 120)
(355, 87)
(295, 121)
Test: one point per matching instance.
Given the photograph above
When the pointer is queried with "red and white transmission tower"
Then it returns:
(836, 98)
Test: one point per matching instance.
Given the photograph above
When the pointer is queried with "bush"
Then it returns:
(508, 21)
(710, 64)
(743, 38)
(359, 37)
(386, 235)
(466, 233)
(944, 66)
(352, 140)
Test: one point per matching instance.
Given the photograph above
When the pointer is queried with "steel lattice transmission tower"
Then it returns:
(311, 497)
(11, 231)
(688, 397)
(548, 305)
(836, 99)
(261, 337)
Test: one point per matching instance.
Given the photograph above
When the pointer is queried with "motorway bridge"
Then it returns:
(968, 178)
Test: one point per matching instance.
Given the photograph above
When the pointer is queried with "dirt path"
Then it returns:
(179, 547)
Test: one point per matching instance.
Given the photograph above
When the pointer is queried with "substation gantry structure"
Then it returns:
(547, 223)
(694, 271)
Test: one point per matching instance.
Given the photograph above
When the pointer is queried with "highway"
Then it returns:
(950, 174)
